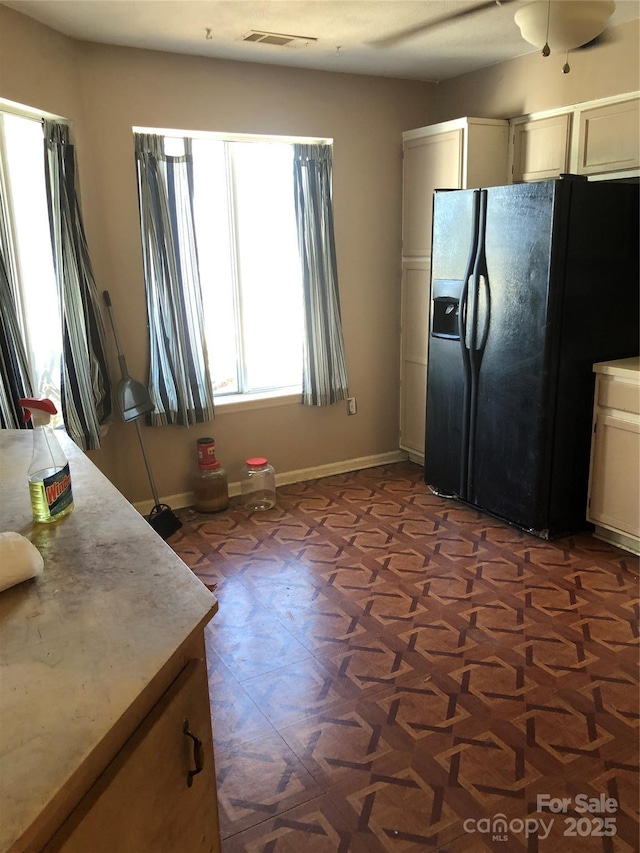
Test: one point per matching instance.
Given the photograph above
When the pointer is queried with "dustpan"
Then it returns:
(133, 402)
(132, 397)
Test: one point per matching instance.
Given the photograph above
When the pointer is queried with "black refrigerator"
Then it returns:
(531, 285)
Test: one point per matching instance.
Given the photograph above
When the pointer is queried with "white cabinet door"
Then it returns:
(430, 163)
(609, 138)
(416, 277)
(541, 148)
(615, 489)
(614, 478)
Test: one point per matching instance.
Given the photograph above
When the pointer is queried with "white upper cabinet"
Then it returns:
(596, 139)
(541, 148)
(430, 162)
(609, 138)
(466, 152)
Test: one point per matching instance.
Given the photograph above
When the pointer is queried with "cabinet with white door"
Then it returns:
(599, 139)
(614, 480)
(608, 137)
(541, 147)
(459, 154)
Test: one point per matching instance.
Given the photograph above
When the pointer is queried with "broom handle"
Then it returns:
(121, 360)
(125, 375)
(146, 462)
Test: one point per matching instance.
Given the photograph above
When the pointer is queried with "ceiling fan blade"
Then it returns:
(389, 41)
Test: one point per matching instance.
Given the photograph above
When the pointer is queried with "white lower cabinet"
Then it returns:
(413, 379)
(614, 482)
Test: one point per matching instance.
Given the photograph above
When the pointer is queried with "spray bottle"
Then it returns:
(49, 477)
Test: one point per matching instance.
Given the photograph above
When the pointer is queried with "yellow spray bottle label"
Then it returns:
(51, 497)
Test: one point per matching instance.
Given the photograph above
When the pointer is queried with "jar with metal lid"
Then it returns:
(210, 488)
(258, 484)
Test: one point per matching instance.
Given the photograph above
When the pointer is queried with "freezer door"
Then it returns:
(511, 464)
(453, 241)
(600, 316)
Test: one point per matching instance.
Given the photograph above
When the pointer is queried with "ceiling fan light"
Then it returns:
(571, 23)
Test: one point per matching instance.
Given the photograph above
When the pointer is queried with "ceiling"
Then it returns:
(350, 34)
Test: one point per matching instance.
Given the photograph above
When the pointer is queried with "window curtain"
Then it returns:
(324, 379)
(85, 384)
(15, 381)
(179, 380)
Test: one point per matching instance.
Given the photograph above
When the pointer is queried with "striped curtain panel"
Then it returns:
(85, 385)
(324, 379)
(15, 381)
(179, 380)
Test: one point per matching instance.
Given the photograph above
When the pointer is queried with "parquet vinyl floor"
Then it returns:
(394, 671)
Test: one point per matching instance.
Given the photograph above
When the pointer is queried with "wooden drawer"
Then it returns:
(623, 396)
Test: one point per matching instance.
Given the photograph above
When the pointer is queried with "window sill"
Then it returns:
(262, 400)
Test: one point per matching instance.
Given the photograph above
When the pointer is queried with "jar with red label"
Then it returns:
(210, 487)
(258, 484)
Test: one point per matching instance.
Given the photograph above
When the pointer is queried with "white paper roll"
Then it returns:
(19, 560)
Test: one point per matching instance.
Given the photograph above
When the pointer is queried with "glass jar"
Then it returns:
(258, 484)
(210, 488)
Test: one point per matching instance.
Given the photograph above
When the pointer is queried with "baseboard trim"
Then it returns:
(185, 499)
(621, 540)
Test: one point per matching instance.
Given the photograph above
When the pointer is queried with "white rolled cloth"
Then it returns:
(19, 560)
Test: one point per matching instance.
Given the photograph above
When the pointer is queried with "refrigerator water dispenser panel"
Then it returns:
(446, 308)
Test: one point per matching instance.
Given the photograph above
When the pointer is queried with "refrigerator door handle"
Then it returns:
(464, 296)
(478, 341)
(486, 314)
(482, 308)
(466, 356)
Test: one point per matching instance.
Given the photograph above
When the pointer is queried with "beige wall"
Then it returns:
(38, 66)
(531, 83)
(120, 88)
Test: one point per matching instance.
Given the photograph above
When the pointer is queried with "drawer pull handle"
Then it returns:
(198, 753)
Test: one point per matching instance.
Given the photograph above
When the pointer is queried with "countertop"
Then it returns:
(627, 368)
(79, 644)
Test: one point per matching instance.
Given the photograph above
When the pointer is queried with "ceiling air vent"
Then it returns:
(278, 39)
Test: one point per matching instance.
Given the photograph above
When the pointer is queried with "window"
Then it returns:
(22, 160)
(248, 260)
(249, 265)
(252, 291)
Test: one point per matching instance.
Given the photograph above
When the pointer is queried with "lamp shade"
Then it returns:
(572, 23)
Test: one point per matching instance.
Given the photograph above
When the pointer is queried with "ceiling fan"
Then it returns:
(552, 25)
(564, 26)
(418, 29)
